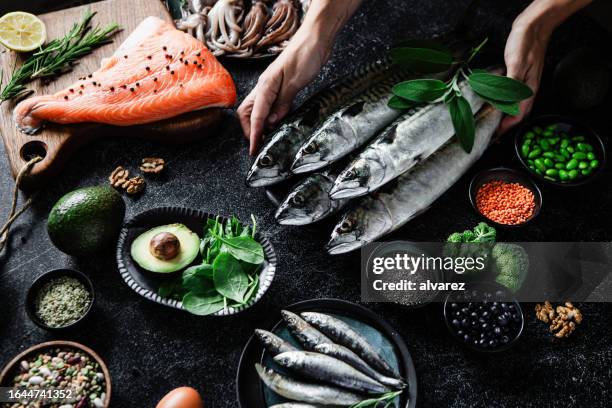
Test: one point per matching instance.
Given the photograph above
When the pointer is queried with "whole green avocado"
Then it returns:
(87, 220)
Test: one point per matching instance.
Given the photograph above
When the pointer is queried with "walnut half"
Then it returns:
(152, 165)
(563, 319)
(134, 185)
(118, 177)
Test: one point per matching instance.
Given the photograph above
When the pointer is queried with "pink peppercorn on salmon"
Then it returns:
(158, 72)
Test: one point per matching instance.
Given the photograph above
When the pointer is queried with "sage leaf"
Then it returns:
(509, 108)
(244, 248)
(463, 121)
(420, 90)
(499, 88)
(203, 305)
(422, 60)
(400, 103)
(229, 278)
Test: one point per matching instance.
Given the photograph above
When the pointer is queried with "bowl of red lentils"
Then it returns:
(505, 197)
(57, 374)
(560, 151)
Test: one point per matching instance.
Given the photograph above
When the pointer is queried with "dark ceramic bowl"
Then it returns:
(490, 287)
(42, 280)
(572, 127)
(509, 176)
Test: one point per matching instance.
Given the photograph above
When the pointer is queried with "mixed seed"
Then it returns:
(555, 155)
(63, 369)
(62, 301)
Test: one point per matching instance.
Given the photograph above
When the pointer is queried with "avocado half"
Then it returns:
(87, 220)
(189, 247)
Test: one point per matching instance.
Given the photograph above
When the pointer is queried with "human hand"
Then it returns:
(273, 95)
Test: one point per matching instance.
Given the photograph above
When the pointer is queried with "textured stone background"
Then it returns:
(151, 349)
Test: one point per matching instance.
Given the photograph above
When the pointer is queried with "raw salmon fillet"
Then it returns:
(158, 72)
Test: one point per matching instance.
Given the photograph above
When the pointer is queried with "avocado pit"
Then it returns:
(165, 246)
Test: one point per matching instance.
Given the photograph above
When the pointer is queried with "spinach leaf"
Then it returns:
(199, 279)
(243, 248)
(203, 305)
(229, 278)
(172, 289)
(253, 286)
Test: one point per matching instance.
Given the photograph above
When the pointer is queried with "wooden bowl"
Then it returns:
(9, 369)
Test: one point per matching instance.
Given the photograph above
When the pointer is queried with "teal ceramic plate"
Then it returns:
(253, 394)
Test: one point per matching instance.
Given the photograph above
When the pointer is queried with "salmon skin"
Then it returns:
(158, 72)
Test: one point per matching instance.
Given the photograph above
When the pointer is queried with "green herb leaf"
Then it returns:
(229, 278)
(400, 103)
(172, 289)
(499, 88)
(203, 305)
(463, 122)
(198, 279)
(253, 286)
(422, 60)
(244, 248)
(420, 90)
(509, 108)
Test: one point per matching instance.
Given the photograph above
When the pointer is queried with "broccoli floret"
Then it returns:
(455, 237)
(468, 236)
(512, 264)
(484, 233)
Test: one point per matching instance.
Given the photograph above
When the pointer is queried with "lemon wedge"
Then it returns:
(21, 31)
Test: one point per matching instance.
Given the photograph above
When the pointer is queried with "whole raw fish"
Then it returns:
(307, 335)
(348, 356)
(273, 162)
(272, 343)
(343, 334)
(412, 193)
(295, 405)
(348, 128)
(411, 139)
(326, 369)
(309, 200)
(304, 392)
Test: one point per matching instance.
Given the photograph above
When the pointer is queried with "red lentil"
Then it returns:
(505, 203)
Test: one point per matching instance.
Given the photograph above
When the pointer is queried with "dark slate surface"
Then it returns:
(151, 349)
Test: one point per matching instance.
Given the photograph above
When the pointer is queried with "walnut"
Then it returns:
(152, 165)
(134, 185)
(118, 177)
(563, 319)
(545, 312)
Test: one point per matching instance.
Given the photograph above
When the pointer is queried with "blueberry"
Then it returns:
(481, 319)
(466, 338)
(497, 330)
(505, 340)
(465, 323)
(502, 320)
(485, 327)
(512, 307)
(494, 310)
(485, 314)
(458, 314)
(492, 343)
(474, 315)
(465, 310)
(456, 323)
(454, 305)
(482, 342)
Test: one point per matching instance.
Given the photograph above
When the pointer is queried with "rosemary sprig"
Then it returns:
(59, 55)
(387, 399)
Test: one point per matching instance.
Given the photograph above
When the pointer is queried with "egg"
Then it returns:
(183, 397)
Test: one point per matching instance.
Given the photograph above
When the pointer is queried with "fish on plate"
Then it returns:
(272, 343)
(303, 332)
(309, 200)
(412, 193)
(157, 73)
(273, 162)
(411, 139)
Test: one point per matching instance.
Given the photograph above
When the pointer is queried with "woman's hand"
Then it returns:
(294, 68)
(526, 46)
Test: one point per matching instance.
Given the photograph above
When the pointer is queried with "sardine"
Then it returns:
(309, 200)
(272, 343)
(411, 139)
(343, 334)
(348, 356)
(305, 334)
(304, 392)
(273, 163)
(348, 128)
(326, 369)
(295, 405)
(412, 193)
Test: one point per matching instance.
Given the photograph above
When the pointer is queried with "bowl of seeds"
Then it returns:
(60, 299)
(58, 374)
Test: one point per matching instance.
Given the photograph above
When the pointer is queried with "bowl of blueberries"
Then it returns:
(486, 317)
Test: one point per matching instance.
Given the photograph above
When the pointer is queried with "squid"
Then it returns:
(224, 30)
(254, 24)
(282, 25)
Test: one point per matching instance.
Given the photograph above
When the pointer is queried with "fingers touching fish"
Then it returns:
(309, 201)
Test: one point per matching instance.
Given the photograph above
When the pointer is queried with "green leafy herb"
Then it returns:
(421, 90)
(376, 402)
(58, 55)
(501, 92)
(424, 60)
(229, 273)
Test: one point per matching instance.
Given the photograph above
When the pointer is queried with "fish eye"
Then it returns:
(311, 148)
(346, 226)
(266, 160)
(351, 173)
(298, 200)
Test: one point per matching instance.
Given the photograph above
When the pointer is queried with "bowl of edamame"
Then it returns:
(560, 150)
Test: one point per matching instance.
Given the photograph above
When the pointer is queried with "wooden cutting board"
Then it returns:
(57, 142)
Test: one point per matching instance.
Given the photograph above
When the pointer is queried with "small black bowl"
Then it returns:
(41, 281)
(509, 176)
(505, 297)
(572, 127)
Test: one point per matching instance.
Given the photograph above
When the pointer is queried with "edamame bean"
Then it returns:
(544, 144)
(570, 149)
(564, 143)
(579, 156)
(559, 166)
(588, 147)
(572, 174)
(583, 165)
(591, 156)
(548, 163)
(552, 172)
(578, 139)
(537, 130)
(525, 150)
(582, 147)
(538, 171)
(549, 155)
(594, 164)
(529, 135)
(540, 164)
(563, 175)
(534, 153)
(571, 165)
(586, 172)
(565, 153)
